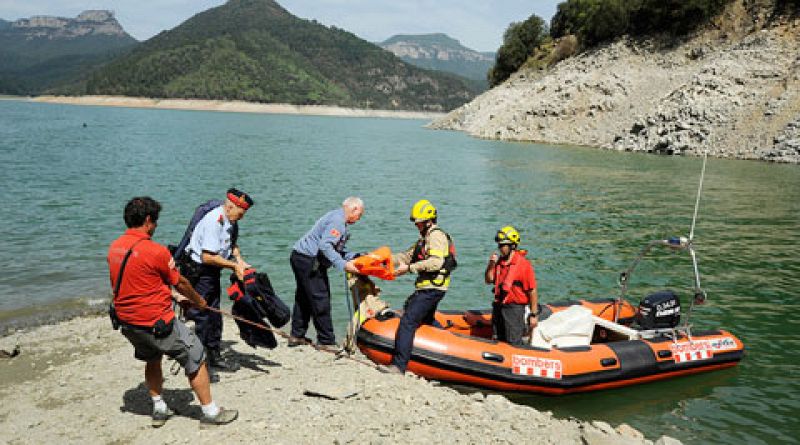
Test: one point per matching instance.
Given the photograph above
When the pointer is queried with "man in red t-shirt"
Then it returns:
(514, 288)
(143, 306)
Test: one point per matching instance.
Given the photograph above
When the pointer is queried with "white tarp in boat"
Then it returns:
(571, 327)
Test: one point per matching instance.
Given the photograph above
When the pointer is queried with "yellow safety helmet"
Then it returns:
(423, 210)
(507, 235)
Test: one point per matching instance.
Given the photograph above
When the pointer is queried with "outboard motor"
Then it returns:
(660, 310)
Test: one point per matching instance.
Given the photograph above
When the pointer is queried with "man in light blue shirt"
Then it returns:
(320, 248)
(212, 247)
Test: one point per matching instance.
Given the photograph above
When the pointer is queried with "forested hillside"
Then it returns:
(43, 54)
(255, 50)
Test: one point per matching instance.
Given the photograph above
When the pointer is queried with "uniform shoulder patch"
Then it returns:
(335, 233)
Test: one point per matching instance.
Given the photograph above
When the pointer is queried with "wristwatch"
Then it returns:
(532, 314)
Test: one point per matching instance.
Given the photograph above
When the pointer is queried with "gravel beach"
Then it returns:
(77, 382)
(232, 106)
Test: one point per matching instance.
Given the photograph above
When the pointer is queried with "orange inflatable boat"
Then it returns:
(578, 346)
(450, 355)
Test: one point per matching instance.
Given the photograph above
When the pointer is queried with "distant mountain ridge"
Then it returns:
(43, 53)
(255, 50)
(442, 53)
(92, 22)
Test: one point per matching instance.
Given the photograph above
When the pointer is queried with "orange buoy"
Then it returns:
(377, 263)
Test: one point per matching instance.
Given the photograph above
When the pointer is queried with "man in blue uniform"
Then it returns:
(322, 247)
(212, 249)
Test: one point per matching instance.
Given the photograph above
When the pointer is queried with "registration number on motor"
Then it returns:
(536, 366)
(700, 349)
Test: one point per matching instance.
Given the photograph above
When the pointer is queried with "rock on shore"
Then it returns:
(733, 91)
(77, 382)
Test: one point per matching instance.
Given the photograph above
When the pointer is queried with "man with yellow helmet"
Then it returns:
(514, 288)
(432, 258)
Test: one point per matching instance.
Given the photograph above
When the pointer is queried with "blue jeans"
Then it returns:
(419, 308)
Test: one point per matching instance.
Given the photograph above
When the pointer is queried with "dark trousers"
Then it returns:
(312, 299)
(508, 322)
(419, 309)
(207, 324)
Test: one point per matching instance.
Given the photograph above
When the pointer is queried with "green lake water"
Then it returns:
(584, 214)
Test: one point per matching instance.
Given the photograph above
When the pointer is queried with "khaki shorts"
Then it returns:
(181, 344)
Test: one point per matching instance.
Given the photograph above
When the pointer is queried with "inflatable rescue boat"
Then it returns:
(449, 354)
(578, 346)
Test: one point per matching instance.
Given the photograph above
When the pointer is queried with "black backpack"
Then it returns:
(202, 210)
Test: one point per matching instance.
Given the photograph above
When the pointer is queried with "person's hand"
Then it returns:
(244, 263)
(533, 322)
(401, 269)
(350, 266)
(494, 257)
(238, 268)
(182, 301)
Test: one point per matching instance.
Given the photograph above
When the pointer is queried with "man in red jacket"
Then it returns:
(142, 272)
(514, 288)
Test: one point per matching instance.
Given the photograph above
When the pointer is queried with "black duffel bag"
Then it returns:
(275, 309)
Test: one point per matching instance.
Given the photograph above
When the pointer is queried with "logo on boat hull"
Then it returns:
(535, 366)
(700, 349)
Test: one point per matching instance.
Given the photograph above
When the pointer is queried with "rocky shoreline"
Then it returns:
(231, 106)
(731, 92)
(77, 382)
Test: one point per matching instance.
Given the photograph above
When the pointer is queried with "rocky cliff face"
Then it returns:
(101, 23)
(440, 52)
(55, 54)
(433, 46)
(733, 92)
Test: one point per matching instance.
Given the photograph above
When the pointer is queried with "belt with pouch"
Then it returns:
(160, 329)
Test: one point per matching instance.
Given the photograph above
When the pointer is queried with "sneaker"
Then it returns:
(298, 341)
(159, 418)
(216, 360)
(223, 416)
(391, 369)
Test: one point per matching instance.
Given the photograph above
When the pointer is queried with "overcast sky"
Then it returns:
(478, 24)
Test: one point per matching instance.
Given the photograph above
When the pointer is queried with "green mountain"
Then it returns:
(42, 53)
(255, 50)
(442, 53)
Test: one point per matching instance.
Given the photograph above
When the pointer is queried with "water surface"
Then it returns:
(583, 213)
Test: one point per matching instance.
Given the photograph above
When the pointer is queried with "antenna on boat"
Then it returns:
(677, 243)
(699, 293)
(697, 201)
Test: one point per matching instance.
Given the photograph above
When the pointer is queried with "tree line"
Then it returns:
(594, 22)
